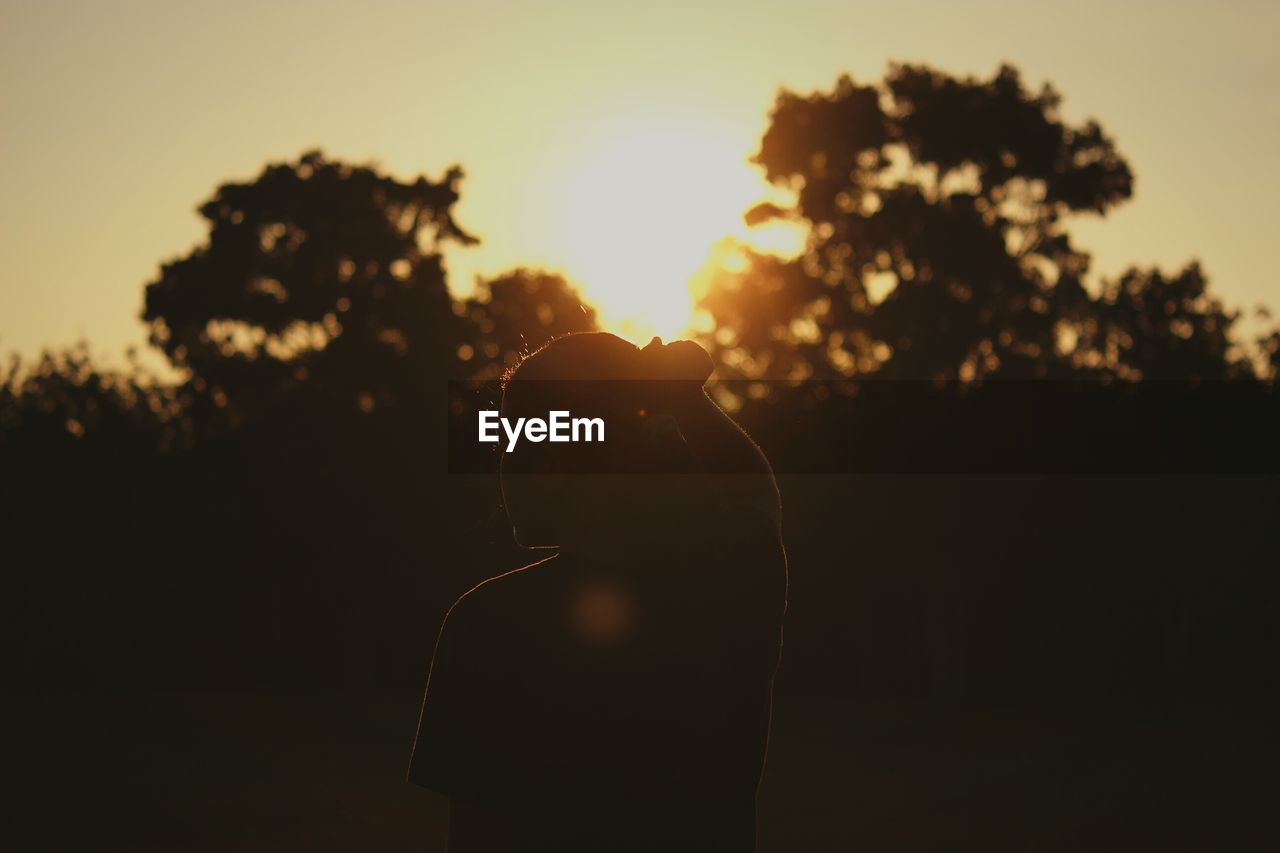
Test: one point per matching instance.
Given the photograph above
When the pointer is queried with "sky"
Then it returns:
(590, 132)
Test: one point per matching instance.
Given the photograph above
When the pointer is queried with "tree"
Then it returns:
(1150, 325)
(1269, 346)
(937, 243)
(519, 311)
(64, 398)
(317, 276)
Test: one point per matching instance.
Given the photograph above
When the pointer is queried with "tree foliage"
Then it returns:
(519, 311)
(936, 210)
(316, 275)
(64, 398)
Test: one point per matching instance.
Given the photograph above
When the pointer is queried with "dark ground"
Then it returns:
(1129, 624)
(271, 772)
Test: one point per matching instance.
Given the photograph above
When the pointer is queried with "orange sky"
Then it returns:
(590, 132)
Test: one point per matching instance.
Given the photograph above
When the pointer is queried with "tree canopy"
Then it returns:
(317, 275)
(519, 311)
(937, 212)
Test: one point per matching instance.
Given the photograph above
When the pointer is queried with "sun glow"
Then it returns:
(647, 206)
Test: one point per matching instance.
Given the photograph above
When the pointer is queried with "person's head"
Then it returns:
(561, 493)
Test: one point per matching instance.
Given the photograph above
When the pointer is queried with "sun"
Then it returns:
(645, 208)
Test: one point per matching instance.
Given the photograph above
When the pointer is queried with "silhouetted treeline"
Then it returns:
(282, 513)
(938, 211)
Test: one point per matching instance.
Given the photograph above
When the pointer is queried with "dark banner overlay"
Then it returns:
(897, 427)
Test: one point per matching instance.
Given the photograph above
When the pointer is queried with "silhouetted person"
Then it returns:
(615, 696)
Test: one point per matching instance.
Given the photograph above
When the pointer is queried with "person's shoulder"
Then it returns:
(498, 597)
